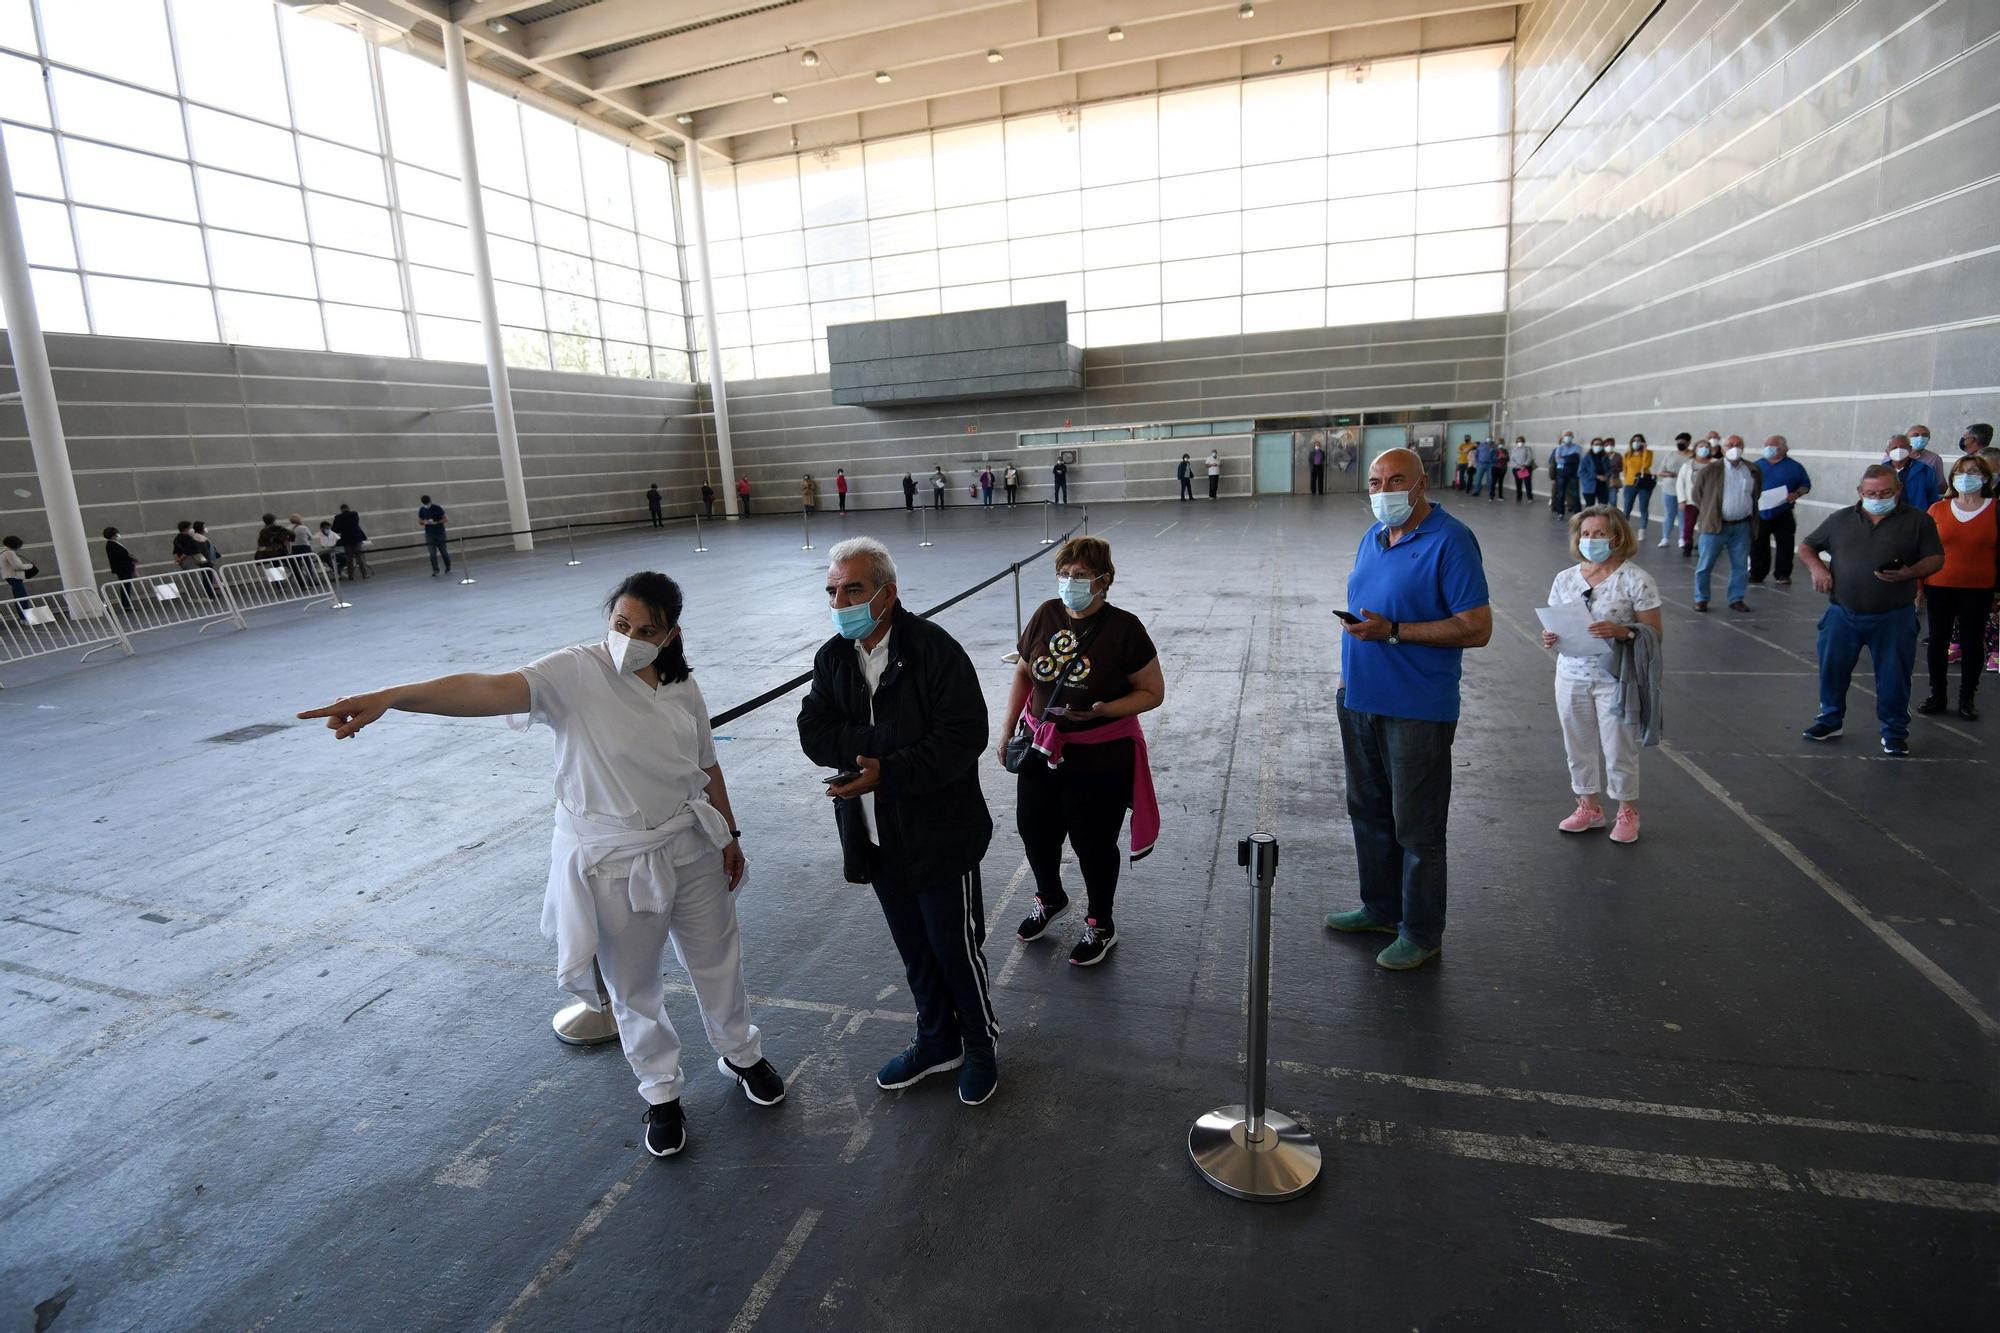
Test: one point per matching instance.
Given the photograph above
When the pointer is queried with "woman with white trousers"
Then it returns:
(645, 848)
(1601, 745)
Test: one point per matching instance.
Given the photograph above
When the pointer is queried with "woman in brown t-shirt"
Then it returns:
(1085, 769)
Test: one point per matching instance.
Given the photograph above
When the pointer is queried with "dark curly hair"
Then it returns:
(662, 596)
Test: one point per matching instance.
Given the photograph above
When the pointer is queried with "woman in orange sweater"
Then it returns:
(1961, 594)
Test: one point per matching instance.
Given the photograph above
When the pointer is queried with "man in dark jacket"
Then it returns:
(896, 703)
(347, 527)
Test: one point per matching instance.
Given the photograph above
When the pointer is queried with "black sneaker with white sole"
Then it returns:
(666, 1128)
(760, 1082)
(1895, 747)
(1821, 731)
(1037, 923)
(1094, 943)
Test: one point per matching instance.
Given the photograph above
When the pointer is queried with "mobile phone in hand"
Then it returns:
(842, 779)
(1349, 617)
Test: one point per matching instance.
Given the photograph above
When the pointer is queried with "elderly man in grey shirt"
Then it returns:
(1725, 500)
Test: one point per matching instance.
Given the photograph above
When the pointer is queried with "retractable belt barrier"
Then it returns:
(57, 622)
(253, 585)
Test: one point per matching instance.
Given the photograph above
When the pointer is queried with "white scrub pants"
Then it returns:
(1598, 743)
(701, 921)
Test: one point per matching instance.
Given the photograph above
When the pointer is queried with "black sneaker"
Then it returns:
(1095, 942)
(1821, 731)
(1967, 711)
(1037, 922)
(760, 1082)
(1895, 747)
(912, 1065)
(1934, 704)
(666, 1128)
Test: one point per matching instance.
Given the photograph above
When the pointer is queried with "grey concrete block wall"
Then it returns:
(1765, 218)
(968, 354)
(161, 431)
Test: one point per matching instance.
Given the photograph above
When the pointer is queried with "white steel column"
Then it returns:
(482, 278)
(718, 395)
(38, 404)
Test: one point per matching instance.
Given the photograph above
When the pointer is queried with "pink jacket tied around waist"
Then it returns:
(1049, 742)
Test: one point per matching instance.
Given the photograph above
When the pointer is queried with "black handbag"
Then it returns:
(1022, 743)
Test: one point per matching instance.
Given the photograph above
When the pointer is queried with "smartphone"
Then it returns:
(1058, 710)
(1891, 565)
(1349, 617)
(841, 779)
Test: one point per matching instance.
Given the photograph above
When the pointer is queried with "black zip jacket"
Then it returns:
(929, 733)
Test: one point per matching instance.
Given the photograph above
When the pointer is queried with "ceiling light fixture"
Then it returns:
(809, 58)
(881, 76)
(1246, 10)
(684, 119)
(1277, 61)
(1115, 35)
(780, 98)
(994, 57)
(497, 26)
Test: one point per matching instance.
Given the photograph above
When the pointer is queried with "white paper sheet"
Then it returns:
(1772, 498)
(1570, 622)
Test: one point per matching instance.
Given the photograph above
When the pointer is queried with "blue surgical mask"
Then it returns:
(1881, 506)
(855, 622)
(1595, 549)
(1701, 452)
(1920, 442)
(1076, 594)
(1968, 483)
(1391, 507)
(1771, 452)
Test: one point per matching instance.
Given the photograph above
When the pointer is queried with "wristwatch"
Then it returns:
(1395, 631)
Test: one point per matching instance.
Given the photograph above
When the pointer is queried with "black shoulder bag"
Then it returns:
(1021, 743)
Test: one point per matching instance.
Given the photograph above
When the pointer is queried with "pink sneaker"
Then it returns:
(1584, 818)
(1626, 827)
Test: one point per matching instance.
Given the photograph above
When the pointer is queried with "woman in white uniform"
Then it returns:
(645, 846)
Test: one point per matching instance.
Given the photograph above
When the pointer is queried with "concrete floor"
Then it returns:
(277, 1054)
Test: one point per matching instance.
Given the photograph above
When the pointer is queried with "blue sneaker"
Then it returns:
(912, 1065)
(1405, 955)
(981, 1075)
(1895, 747)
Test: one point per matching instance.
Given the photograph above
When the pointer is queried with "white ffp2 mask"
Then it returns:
(629, 654)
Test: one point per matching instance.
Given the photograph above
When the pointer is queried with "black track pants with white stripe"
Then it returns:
(941, 934)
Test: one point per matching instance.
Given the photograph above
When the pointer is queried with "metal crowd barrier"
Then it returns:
(177, 597)
(57, 622)
(252, 585)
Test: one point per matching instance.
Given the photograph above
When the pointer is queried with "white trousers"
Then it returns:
(1600, 745)
(701, 922)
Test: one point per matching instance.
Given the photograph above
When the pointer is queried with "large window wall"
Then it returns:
(217, 170)
(1351, 195)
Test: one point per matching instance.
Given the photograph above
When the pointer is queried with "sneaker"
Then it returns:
(1094, 943)
(1403, 956)
(1037, 922)
(1701, 607)
(1934, 704)
(1821, 731)
(666, 1128)
(1783, 583)
(1357, 921)
(1587, 816)
(913, 1065)
(1895, 747)
(980, 1076)
(1626, 827)
(760, 1082)
(1967, 711)
(1739, 606)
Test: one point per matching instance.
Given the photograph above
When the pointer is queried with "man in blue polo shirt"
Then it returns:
(436, 540)
(1418, 592)
(1777, 524)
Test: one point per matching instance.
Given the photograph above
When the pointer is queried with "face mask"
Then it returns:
(1881, 506)
(1920, 442)
(1899, 454)
(1635, 446)
(1076, 594)
(1595, 549)
(1968, 483)
(1701, 452)
(1569, 439)
(1597, 448)
(1770, 453)
(855, 622)
(629, 654)
(1733, 455)
(1391, 507)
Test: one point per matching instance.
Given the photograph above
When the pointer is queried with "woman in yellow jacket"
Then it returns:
(1639, 479)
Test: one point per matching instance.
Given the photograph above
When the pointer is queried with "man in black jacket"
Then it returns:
(895, 701)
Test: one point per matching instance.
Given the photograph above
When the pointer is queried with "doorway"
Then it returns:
(1377, 440)
(1271, 461)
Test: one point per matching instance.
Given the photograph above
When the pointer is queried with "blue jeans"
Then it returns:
(1566, 499)
(1891, 640)
(1398, 798)
(1482, 479)
(435, 540)
(1644, 497)
(986, 496)
(1735, 537)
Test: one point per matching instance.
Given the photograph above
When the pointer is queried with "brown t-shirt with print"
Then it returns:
(1115, 651)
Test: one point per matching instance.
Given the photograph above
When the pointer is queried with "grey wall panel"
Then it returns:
(1769, 216)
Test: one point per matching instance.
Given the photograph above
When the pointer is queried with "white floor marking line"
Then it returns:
(1673, 1168)
(781, 1263)
(1584, 1226)
(561, 1258)
(1006, 898)
(468, 1170)
(1892, 836)
(1169, 528)
(1909, 952)
(1668, 1110)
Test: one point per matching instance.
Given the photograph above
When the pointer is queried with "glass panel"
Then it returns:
(1370, 261)
(1462, 206)
(973, 264)
(328, 68)
(730, 294)
(118, 179)
(899, 175)
(438, 292)
(572, 314)
(1283, 270)
(826, 282)
(607, 183)
(1214, 234)
(513, 261)
(627, 360)
(120, 115)
(972, 225)
(372, 332)
(781, 323)
(782, 287)
(438, 244)
(59, 301)
(852, 311)
(1372, 106)
(1379, 172)
(1472, 294)
(45, 233)
(555, 172)
(126, 39)
(617, 283)
(1284, 117)
(794, 358)
(725, 258)
(418, 113)
(1284, 310)
(905, 305)
(786, 249)
(561, 229)
(1040, 255)
(124, 308)
(507, 215)
(440, 339)
(1041, 151)
(496, 137)
(1111, 287)
(901, 273)
(670, 364)
(1116, 205)
(339, 170)
(520, 305)
(1200, 130)
(1284, 183)
(1183, 430)
(1055, 287)
(141, 247)
(360, 279)
(1369, 303)
(350, 226)
(22, 93)
(1044, 214)
(250, 205)
(902, 235)
(1121, 142)
(831, 187)
(825, 245)
(31, 155)
(616, 244)
(1463, 161)
(1464, 93)
(1187, 279)
(429, 194)
(1295, 224)
(970, 165)
(623, 321)
(527, 348)
(1446, 252)
(229, 58)
(243, 145)
(652, 197)
(1201, 319)
(1109, 247)
(1376, 215)
(270, 321)
(258, 264)
(1109, 328)
(974, 296)
(563, 271)
(767, 196)
(1209, 192)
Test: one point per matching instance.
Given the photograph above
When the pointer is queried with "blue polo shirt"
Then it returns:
(1433, 573)
(1787, 472)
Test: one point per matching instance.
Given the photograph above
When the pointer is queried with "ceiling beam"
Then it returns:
(850, 96)
(478, 11)
(790, 28)
(610, 22)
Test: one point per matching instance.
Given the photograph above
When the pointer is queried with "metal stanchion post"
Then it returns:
(1013, 655)
(339, 603)
(698, 547)
(924, 526)
(467, 563)
(1086, 520)
(570, 537)
(805, 520)
(1047, 540)
(1249, 1151)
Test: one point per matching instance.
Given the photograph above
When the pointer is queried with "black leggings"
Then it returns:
(1088, 807)
(1965, 609)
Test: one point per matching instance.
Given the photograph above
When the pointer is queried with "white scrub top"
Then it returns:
(626, 754)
